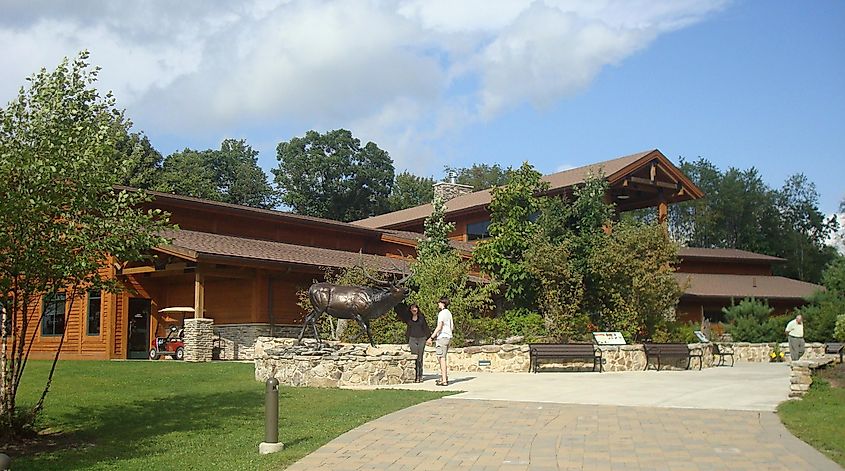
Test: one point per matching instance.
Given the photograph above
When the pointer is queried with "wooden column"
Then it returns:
(662, 212)
(199, 294)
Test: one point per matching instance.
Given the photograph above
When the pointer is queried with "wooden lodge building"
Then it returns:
(242, 267)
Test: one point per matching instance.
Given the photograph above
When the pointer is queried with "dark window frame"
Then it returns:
(478, 235)
(51, 302)
(98, 296)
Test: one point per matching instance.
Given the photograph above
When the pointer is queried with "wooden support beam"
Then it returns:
(659, 184)
(199, 294)
(653, 172)
(137, 270)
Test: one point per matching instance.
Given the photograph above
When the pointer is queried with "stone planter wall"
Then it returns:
(332, 366)
(759, 352)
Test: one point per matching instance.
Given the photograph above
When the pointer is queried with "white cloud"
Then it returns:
(402, 73)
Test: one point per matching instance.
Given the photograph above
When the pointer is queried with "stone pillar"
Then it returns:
(800, 379)
(199, 334)
(449, 190)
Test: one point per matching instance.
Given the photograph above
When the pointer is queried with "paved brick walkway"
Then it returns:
(450, 434)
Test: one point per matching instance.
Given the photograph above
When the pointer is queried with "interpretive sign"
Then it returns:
(701, 336)
(609, 338)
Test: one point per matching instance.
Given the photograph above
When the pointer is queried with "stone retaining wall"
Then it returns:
(334, 365)
(801, 376)
(237, 341)
(292, 366)
(759, 352)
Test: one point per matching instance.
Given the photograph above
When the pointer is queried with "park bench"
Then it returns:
(567, 351)
(723, 351)
(835, 348)
(671, 350)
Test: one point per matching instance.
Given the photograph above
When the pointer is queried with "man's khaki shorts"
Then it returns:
(441, 346)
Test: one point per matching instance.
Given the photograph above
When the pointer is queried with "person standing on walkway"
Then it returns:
(417, 333)
(441, 337)
(795, 333)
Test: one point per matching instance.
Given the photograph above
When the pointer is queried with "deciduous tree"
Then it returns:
(410, 190)
(513, 211)
(230, 174)
(332, 176)
(61, 220)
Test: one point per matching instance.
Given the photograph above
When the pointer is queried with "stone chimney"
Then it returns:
(450, 190)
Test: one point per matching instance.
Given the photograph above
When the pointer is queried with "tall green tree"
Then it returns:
(804, 230)
(410, 190)
(143, 169)
(436, 233)
(741, 211)
(61, 219)
(513, 210)
(480, 176)
(230, 174)
(332, 176)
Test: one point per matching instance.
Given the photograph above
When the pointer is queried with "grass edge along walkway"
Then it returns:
(818, 419)
(169, 414)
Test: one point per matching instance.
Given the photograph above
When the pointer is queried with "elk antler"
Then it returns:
(366, 273)
(405, 273)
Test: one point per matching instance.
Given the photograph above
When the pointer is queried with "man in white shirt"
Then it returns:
(442, 336)
(795, 333)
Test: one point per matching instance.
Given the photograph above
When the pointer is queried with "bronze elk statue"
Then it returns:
(361, 303)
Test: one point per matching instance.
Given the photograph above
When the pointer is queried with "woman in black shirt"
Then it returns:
(417, 333)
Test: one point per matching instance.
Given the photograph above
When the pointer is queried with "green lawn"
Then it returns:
(819, 418)
(174, 415)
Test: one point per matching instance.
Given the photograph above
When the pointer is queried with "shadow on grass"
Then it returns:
(130, 430)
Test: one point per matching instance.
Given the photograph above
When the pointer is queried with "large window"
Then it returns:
(478, 230)
(54, 315)
(95, 302)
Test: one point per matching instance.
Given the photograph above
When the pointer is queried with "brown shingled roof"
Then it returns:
(743, 286)
(725, 254)
(214, 247)
(613, 169)
(281, 216)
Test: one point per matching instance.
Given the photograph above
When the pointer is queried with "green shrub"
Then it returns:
(750, 329)
(750, 308)
(839, 330)
(526, 323)
(820, 316)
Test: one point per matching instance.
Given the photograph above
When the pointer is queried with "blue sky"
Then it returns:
(561, 84)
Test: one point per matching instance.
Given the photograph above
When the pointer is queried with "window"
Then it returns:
(478, 230)
(95, 302)
(54, 315)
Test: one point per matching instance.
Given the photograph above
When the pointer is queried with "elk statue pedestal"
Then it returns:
(332, 364)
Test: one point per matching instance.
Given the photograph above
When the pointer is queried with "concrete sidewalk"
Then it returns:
(746, 386)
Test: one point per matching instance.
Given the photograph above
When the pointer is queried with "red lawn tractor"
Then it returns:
(171, 345)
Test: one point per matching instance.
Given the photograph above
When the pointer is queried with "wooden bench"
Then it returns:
(565, 351)
(723, 351)
(671, 350)
(835, 348)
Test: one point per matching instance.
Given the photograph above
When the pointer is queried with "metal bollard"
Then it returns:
(5, 462)
(271, 411)
(271, 419)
